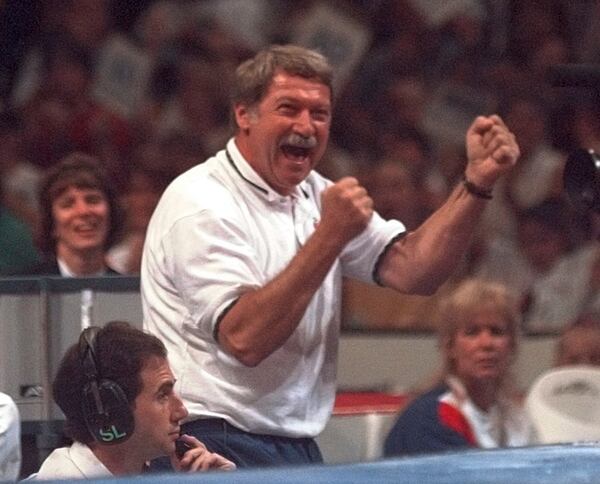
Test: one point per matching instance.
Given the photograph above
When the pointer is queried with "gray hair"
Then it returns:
(253, 76)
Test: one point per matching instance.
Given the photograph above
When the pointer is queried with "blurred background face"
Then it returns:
(541, 245)
(395, 195)
(81, 220)
(580, 346)
(526, 120)
(87, 21)
(482, 348)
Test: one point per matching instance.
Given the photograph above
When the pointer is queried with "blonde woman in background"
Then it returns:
(471, 404)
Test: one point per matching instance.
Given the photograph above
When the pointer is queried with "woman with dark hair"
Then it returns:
(80, 218)
(472, 404)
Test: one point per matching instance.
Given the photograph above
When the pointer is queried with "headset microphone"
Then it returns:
(106, 411)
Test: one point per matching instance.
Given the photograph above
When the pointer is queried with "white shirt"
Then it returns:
(219, 231)
(10, 439)
(505, 424)
(74, 462)
(560, 296)
(557, 296)
(534, 183)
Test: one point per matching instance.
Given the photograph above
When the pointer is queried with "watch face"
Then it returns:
(581, 179)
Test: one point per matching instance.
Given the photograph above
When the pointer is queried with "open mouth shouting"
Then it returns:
(298, 148)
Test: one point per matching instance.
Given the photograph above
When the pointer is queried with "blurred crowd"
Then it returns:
(143, 86)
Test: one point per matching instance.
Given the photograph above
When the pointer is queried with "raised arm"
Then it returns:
(421, 261)
(262, 320)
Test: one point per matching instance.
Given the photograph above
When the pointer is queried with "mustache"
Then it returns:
(300, 141)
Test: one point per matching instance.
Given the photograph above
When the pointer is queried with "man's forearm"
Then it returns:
(420, 262)
(262, 320)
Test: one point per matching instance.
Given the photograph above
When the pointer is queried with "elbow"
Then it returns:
(425, 287)
(241, 351)
(249, 359)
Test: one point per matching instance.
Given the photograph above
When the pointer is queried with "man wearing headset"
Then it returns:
(115, 387)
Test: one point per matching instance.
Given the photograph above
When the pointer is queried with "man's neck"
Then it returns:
(119, 459)
(81, 265)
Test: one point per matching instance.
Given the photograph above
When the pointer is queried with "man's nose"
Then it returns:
(179, 412)
(304, 124)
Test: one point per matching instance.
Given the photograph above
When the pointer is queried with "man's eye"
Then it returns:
(321, 115)
(286, 108)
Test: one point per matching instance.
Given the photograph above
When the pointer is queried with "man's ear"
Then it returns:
(243, 115)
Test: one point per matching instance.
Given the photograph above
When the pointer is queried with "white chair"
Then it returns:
(564, 404)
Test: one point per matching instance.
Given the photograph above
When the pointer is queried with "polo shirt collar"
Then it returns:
(247, 175)
(87, 462)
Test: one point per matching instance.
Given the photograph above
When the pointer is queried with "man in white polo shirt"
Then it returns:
(245, 254)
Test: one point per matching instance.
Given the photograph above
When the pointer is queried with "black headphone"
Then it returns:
(106, 411)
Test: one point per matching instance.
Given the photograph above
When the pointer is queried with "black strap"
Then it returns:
(230, 159)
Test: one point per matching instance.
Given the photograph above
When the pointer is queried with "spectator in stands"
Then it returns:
(579, 342)
(563, 277)
(19, 178)
(115, 387)
(471, 405)
(10, 439)
(394, 187)
(139, 198)
(548, 264)
(80, 219)
(17, 249)
(540, 175)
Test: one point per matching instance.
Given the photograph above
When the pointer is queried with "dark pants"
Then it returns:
(247, 449)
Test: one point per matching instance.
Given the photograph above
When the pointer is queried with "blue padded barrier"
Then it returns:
(553, 464)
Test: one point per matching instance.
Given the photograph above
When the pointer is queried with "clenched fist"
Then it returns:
(346, 209)
(491, 150)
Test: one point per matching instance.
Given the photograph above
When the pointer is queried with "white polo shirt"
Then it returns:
(74, 462)
(219, 231)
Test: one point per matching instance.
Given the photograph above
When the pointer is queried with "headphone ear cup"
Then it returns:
(116, 423)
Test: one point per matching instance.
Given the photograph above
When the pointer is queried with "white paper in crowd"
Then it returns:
(122, 75)
(342, 39)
